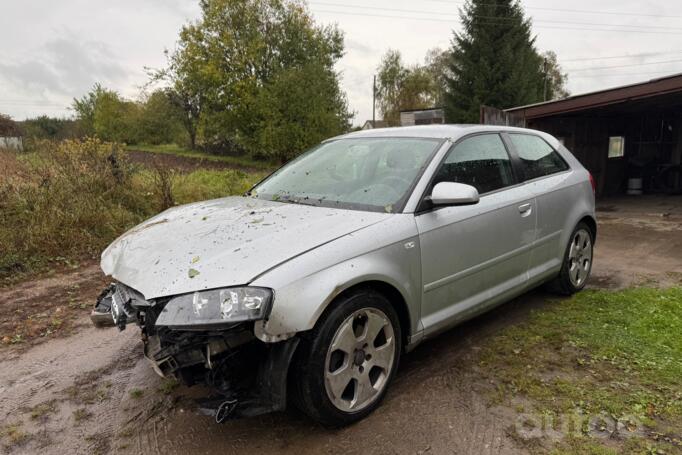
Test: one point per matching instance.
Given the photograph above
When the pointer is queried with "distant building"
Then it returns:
(422, 117)
(11, 142)
(370, 125)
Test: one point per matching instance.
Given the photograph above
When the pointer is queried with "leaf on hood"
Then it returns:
(192, 273)
(195, 259)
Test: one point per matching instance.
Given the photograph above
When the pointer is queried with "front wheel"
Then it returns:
(344, 366)
(577, 262)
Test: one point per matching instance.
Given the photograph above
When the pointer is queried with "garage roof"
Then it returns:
(655, 87)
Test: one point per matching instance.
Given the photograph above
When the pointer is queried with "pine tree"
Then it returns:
(493, 61)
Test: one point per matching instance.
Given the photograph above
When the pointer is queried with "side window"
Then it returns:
(480, 161)
(538, 158)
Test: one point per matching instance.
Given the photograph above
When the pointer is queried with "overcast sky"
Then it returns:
(52, 51)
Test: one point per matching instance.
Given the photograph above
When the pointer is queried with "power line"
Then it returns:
(624, 66)
(578, 11)
(611, 57)
(386, 16)
(587, 76)
(492, 18)
(569, 60)
(569, 70)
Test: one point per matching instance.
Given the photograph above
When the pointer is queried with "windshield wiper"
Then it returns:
(290, 200)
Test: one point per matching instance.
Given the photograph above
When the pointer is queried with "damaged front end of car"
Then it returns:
(207, 337)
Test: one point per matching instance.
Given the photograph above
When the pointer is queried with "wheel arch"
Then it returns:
(394, 296)
(592, 224)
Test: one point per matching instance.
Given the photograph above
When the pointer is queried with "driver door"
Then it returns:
(475, 256)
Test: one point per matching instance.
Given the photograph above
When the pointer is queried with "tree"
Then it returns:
(403, 88)
(225, 60)
(160, 119)
(494, 61)
(299, 107)
(437, 65)
(556, 78)
(185, 86)
(85, 108)
(8, 127)
(44, 127)
(116, 119)
(104, 113)
(392, 74)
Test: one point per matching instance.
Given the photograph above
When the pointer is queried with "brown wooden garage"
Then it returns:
(619, 134)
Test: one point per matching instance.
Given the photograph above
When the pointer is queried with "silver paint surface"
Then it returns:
(447, 264)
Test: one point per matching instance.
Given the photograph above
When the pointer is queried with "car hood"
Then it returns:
(223, 242)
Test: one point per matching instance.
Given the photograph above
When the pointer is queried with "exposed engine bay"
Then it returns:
(249, 376)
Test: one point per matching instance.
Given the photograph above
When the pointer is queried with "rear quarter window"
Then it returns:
(538, 158)
(480, 161)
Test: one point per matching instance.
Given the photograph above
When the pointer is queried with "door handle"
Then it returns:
(525, 209)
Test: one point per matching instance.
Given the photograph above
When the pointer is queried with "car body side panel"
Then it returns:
(563, 200)
(472, 253)
(387, 252)
(560, 209)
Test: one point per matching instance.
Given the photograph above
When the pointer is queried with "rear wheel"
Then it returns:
(344, 366)
(577, 262)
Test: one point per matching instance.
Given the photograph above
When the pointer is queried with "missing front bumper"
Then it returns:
(251, 378)
(247, 373)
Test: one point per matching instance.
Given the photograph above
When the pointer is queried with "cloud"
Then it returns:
(64, 66)
(359, 48)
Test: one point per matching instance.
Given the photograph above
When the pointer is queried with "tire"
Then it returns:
(577, 265)
(343, 367)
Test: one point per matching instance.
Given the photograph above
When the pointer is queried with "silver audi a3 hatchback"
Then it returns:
(309, 288)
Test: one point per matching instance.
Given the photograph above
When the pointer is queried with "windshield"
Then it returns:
(375, 174)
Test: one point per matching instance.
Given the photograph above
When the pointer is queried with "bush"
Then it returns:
(63, 200)
(68, 200)
(223, 147)
(45, 127)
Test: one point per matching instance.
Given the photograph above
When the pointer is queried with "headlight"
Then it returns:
(216, 307)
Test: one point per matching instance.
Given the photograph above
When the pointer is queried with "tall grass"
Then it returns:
(63, 201)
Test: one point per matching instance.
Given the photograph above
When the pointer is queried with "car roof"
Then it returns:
(451, 132)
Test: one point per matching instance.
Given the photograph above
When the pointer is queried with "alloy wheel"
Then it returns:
(359, 360)
(580, 258)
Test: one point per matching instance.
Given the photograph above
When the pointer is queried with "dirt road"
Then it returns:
(92, 392)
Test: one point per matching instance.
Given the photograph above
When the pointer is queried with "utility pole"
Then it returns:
(374, 101)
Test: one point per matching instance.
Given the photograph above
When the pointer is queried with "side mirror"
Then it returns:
(450, 193)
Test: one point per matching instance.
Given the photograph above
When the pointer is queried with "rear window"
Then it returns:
(538, 158)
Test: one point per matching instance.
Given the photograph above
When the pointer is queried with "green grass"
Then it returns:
(204, 184)
(13, 435)
(43, 409)
(81, 414)
(172, 149)
(618, 353)
(136, 393)
(167, 386)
